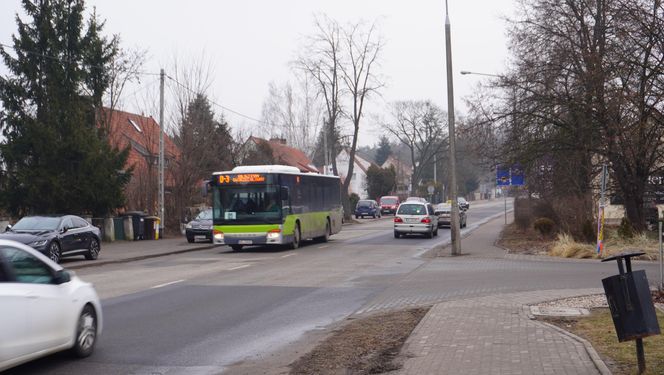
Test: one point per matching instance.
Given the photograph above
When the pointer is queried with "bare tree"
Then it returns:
(321, 59)
(292, 113)
(362, 48)
(419, 125)
(589, 89)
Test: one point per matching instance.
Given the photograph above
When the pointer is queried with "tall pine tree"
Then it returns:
(384, 150)
(56, 159)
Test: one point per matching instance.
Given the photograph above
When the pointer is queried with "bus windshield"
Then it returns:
(247, 205)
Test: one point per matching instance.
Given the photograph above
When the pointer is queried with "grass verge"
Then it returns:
(368, 345)
(598, 329)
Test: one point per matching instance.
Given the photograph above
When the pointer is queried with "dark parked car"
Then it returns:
(57, 236)
(200, 228)
(367, 207)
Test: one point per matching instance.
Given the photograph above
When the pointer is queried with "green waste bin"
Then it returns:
(118, 223)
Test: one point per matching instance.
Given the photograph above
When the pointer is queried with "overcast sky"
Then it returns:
(251, 42)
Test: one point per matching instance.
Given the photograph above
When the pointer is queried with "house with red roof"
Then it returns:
(141, 135)
(282, 153)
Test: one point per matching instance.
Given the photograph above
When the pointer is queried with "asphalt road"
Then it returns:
(199, 312)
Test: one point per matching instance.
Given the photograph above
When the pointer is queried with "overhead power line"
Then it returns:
(216, 104)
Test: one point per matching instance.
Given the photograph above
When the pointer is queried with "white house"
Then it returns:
(358, 181)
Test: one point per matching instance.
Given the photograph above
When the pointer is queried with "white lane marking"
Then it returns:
(239, 267)
(167, 284)
(287, 255)
(324, 246)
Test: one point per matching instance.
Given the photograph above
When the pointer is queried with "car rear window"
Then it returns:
(388, 201)
(364, 204)
(412, 209)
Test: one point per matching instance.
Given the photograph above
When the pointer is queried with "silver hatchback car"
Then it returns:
(415, 217)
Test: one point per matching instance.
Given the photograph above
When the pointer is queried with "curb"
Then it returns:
(141, 257)
(597, 360)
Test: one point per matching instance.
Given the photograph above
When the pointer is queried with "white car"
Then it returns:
(44, 308)
(414, 217)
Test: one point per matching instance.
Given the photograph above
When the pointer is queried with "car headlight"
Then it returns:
(188, 226)
(39, 243)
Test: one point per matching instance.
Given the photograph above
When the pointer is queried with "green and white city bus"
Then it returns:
(273, 205)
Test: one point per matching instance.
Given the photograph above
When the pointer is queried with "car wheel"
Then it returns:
(397, 234)
(190, 239)
(54, 252)
(236, 247)
(93, 250)
(374, 216)
(429, 234)
(296, 238)
(435, 232)
(86, 333)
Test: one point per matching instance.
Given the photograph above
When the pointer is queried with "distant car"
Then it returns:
(200, 228)
(444, 213)
(414, 217)
(416, 199)
(463, 203)
(389, 204)
(45, 308)
(367, 207)
(57, 236)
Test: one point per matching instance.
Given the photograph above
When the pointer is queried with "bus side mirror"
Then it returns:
(284, 193)
(204, 188)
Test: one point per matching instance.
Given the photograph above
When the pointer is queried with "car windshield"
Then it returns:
(204, 215)
(364, 204)
(37, 223)
(412, 209)
(388, 201)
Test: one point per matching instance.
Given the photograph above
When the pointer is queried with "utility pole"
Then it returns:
(455, 232)
(435, 166)
(161, 153)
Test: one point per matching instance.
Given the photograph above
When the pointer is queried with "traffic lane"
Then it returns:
(190, 328)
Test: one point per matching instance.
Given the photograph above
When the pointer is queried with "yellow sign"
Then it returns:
(241, 178)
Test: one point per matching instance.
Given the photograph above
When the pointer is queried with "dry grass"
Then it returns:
(620, 357)
(566, 247)
(368, 345)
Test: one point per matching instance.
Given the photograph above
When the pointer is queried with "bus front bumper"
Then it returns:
(248, 239)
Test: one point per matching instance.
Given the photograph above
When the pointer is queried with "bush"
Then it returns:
(625, 230)
(544, 209)
(544, 225)
(588, 231)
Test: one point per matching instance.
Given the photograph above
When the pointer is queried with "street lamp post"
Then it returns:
(454, 220)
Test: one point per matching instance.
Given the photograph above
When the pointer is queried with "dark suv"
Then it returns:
(367, 207)
(200, 228)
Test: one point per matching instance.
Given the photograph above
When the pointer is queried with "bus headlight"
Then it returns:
(274, 234)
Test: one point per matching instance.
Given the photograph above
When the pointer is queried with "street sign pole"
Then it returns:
(505, 200)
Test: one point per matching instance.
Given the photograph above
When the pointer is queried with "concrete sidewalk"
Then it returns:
(495, 334)
(127, 251)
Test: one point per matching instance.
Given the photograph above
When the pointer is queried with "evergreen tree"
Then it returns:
(55, 156)
(384, 150)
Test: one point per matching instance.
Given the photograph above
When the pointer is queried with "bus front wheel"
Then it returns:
(296, 238)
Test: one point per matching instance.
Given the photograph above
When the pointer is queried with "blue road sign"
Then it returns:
(516, 175)
(502, 176)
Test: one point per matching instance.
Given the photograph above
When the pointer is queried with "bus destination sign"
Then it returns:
(241, 178)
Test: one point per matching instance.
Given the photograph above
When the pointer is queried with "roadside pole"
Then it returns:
(600, 213)
(505, 200)
(162, 222)
(661, 261)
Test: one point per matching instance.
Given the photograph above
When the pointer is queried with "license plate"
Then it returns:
(412, 220)
(200, 237)
(245, 242)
